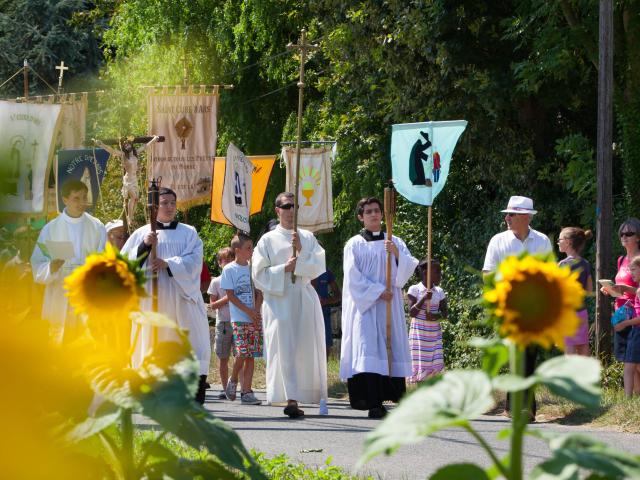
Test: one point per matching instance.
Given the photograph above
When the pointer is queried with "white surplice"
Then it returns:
(179, 296)
(364, 315)
(292, 317)
(88, 235)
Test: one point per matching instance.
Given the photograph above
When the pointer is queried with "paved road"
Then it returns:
(341, 433)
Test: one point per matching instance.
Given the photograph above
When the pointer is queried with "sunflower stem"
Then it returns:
(126, 426)
(519, 417)
(496, 461)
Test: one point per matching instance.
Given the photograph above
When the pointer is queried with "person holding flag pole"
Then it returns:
(375, 359)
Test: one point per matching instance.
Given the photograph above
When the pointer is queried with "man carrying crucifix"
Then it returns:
(363, 360)
(129, 155)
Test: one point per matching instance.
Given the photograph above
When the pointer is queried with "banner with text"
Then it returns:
(262, 167)
(315, 198)
(185, 159)
(26, 149)
(236, 193)
(84, 166)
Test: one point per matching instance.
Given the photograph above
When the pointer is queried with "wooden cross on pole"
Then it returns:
(62, 68)
(304, 48)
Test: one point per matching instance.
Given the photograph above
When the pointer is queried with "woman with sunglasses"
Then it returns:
(626, 287)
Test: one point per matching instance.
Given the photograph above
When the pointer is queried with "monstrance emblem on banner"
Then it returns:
(310, 180)
(420, 157)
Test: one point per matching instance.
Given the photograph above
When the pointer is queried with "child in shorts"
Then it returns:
(244, 305)
(224, 333)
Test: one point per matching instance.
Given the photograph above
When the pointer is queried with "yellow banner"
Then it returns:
(259, 180)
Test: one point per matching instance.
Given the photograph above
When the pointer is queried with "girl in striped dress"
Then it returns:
(425, 335)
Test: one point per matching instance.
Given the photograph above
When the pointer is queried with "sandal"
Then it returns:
(292, 411)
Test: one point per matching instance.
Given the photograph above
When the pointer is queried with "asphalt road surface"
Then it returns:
(340, 435)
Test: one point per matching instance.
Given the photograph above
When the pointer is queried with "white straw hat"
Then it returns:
(520, 205)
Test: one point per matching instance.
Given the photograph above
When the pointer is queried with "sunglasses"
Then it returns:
(627, 234)
(510, 214)
(286, 206)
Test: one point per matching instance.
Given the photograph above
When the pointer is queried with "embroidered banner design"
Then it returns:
(315, 198)
(185, 159)
(81, 165)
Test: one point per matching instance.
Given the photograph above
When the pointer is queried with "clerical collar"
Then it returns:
(167, 225)
(71, 219)
(370, 236)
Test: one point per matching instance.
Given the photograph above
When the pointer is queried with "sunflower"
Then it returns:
(105, 287)
(535, 301)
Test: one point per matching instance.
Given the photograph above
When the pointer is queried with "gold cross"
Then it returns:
(62, 68)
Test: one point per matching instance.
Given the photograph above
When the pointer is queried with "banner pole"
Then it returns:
(429, 233)
(389, 213)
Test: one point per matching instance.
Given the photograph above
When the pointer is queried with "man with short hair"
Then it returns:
(292, 317)
(519, 237)
(178, 265)
(88, 235)
(364, 362)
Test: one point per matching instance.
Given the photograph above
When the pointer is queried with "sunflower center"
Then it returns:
(104, 288)
(537, 300)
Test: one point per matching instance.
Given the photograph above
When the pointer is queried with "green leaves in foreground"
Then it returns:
(574, 452)
(573, 377)
(451, 400)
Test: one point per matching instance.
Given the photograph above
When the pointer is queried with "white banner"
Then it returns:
(27, 134)
(73, 121)
(236, 193)
(315, 197)
(185, 159)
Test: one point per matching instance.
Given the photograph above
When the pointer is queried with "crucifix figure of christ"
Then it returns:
(129, 155)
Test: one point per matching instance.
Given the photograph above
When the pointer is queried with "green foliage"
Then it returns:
(42, 33)
(282, 468)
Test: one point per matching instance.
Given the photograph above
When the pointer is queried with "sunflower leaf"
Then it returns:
(460, 471)
(92, 425)
(559, 375)
(513, 383)
(451, 400)
(589, 454)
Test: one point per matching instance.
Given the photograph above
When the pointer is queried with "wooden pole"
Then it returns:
(429, 236)
(389, 214)
(303, 47)
(25, 80)
(604, 222)
(153, 200)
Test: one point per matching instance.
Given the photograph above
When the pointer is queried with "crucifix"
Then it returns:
(62, 68)
(303, 47)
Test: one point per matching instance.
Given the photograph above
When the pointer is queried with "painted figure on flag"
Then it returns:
(421, 156)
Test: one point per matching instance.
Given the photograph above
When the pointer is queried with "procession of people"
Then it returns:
(267, 305)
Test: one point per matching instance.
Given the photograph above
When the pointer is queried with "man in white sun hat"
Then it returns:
(518, 237)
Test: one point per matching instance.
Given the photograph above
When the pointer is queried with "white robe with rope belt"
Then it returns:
(364, 315)
(292, 317)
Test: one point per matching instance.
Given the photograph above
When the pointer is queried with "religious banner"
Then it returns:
(315, 197)
(86, 165)
(185, 159)
(420, 157)
(28, 134)
(262, 167)
(72, 124)
(236, 192)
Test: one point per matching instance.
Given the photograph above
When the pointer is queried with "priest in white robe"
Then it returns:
(87, 235)
(291, 313)
(178, 266)
(364, 362)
